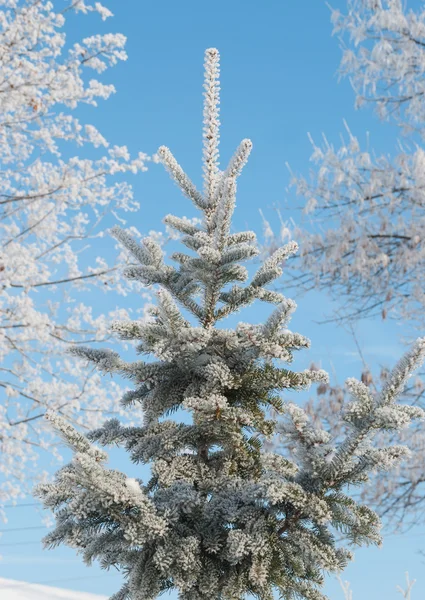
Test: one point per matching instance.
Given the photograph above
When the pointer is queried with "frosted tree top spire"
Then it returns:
(211, 130)
(214, 179)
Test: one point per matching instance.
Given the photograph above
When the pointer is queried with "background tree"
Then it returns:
(52, 204)
(365, 244)
(406, 593)
(368, 210)
(220, 517)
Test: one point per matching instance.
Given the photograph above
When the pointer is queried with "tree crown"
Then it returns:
(219, 517)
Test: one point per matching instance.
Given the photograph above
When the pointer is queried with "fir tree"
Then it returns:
(220, 517)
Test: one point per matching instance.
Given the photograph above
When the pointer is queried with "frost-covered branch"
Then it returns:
(385, 60)
(397, 495)
(53, 200)
(362, 235)
(365, 242)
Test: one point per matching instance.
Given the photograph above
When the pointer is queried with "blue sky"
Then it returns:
(279, 82)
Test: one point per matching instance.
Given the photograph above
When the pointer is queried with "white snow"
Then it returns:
(21, 590)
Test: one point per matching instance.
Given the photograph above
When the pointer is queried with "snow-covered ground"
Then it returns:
(20, 590)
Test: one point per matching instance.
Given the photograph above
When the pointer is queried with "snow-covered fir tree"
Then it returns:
(220, 517)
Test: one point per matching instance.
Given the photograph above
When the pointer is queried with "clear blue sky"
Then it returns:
(279, 82)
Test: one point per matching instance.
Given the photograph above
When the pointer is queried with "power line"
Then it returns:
(21, 505)
(22, 528)
(25, 584)
(20, 543)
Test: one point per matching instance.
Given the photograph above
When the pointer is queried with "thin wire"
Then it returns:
(22, 528)
(22, 585)
(21, 543)
(21, 505)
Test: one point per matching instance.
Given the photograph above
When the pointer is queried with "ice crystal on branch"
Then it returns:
(219, 517)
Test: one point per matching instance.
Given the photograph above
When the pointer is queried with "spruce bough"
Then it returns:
(220, 517)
